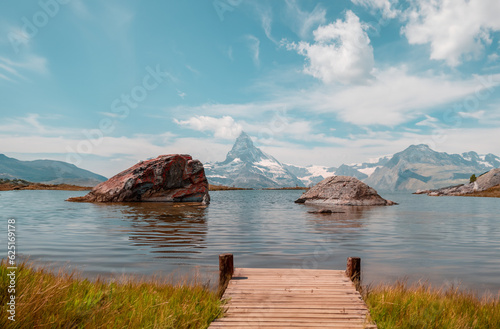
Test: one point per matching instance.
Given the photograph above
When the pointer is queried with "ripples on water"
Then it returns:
(445, 240)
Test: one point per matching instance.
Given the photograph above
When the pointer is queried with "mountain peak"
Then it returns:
(243, 140)
(247, 166)
(419, 147)
(244, 150)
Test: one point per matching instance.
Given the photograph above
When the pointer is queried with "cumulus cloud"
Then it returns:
(385, 6)
(224, 127)
(341, 52)
(456, 30)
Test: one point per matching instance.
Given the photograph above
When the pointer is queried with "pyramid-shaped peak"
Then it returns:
(244, 150)
(243, 140)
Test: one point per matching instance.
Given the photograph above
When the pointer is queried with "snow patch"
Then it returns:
(368, 171)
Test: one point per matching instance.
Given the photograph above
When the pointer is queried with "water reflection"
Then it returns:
(341, 220)
(168, 230)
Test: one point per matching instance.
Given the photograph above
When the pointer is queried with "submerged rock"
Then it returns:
(326, 211)
(168, 178)
(344, 191)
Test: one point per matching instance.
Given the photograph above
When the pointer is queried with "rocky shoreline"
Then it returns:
(483, 183)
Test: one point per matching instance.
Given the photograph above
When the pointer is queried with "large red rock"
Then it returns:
(168, 178)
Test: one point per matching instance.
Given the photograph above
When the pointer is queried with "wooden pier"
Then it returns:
(291, 298)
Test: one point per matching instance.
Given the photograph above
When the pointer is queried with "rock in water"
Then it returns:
(343, 191)
(485, 181)
(168, 178)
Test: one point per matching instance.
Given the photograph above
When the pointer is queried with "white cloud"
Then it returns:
(493, 57)
(428, 121)
(341, 52)
(456, 30)
(15, 70)
(31, 125)
(474, 115)
(242, 110)
(265, 14)
(181, 94)
(192, 69)
(393, 98)
(385, 6)
(303, 22)
(254, 46)
(224, 127)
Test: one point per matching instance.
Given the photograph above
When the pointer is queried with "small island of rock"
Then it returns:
(487, 181)
(168, 178)
(343, 191)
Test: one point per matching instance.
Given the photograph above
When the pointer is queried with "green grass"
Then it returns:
(420, 306)
(62, 300)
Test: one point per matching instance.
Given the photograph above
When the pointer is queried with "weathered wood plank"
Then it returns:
(292, 298)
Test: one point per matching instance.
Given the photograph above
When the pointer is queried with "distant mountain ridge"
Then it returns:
(420, 167)
(417, 167)
(47, 172)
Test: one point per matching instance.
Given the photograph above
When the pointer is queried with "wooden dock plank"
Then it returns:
(292, 298)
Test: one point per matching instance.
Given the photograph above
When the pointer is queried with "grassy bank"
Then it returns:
(225, 188)
(492, 192)
(287, 188)
(45, 300)
(420, 306)
(62, 300)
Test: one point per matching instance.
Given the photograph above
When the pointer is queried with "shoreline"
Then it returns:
(18, 185)
(162, 300)
(492, 192)
(233, 188)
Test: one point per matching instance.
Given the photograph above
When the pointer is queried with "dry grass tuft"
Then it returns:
(421, 306)
(62, 300)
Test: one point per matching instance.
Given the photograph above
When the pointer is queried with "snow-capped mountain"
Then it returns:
(420, 167)
(247, 166)
(486, 162)
(417, 167)
(310, 175)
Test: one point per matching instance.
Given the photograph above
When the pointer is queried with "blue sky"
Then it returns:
(104, 84)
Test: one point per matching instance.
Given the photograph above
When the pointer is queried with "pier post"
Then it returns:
(226, 270)
(353, 271)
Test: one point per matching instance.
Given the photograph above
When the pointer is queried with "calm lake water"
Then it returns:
(445, 240)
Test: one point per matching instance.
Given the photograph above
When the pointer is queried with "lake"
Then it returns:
(444, 240)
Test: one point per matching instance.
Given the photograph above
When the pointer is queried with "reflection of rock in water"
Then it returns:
(171, 230)
(340, 220)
